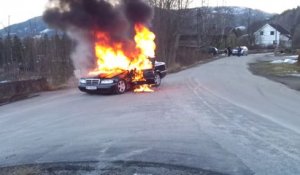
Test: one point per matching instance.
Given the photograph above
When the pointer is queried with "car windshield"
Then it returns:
(149, 87)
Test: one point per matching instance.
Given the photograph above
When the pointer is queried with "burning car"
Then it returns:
(115, 46)
(121, 66)
(120, 82)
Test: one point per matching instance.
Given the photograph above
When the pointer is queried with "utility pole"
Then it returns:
(31, 29)
(248, 27)
(8, 22)
(7, 28)
(198, 27)
(8, 25)
(201, 18)
(223, 23)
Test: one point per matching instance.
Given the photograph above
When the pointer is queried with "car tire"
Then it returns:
(121, 87)
(157, 79)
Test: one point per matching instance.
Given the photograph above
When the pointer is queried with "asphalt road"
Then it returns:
(216, 116)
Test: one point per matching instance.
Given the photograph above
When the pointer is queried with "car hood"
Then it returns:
(109, 75)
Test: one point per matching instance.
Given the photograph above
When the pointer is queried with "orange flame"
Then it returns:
(143, 88)
(117, 57)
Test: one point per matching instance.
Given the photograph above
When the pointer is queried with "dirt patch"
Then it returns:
(282, 73)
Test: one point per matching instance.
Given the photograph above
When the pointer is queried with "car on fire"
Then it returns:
(121, 82)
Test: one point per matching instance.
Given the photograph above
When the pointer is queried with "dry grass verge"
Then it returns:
(282, 73)
(268, 68)
(21, 171)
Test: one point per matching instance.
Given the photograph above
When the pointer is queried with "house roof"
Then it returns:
(280, 29)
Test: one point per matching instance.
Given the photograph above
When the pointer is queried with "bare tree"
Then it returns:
(168, 21)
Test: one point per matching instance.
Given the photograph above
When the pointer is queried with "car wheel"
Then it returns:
(121, 87)
(157, 79)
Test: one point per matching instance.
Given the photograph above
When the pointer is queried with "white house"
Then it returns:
(272, 35)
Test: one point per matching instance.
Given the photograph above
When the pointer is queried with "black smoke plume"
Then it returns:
(96, 14)
(137, 11)
(80, 19)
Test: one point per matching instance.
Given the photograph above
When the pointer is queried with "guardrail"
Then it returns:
(15, 90)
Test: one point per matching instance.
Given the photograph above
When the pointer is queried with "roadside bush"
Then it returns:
(10, 91)
(288, 50)
(259, 47)
(298, 53)
(189, 55)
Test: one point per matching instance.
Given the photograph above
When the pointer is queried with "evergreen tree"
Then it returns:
(65, 53)
(8, 50)
(29, 53)
(43, 52)
(296, 38)
(17, 50)
(47, 57)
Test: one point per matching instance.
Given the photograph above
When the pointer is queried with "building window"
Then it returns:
(272, 33)
(262, 33)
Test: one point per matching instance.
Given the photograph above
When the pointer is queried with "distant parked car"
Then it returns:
(244, 51)
(212, 50)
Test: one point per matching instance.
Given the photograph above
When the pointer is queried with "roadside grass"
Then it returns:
(177, 67)
(267, 68)
(283, 73)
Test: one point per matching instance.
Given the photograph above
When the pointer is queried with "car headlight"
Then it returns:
(107, 81)
(82, 81)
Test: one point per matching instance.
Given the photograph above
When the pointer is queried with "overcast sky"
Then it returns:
(21, 10)
(271, 6)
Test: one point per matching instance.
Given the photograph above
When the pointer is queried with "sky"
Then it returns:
(271, 6)
(21, 10)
